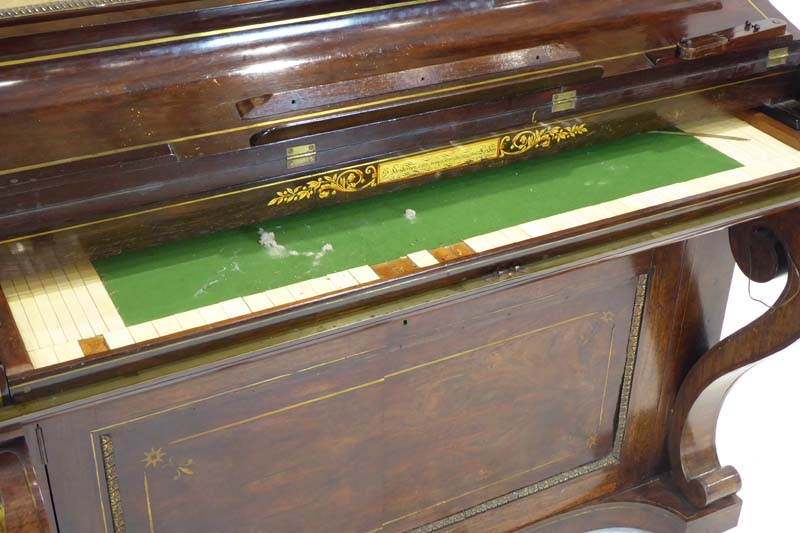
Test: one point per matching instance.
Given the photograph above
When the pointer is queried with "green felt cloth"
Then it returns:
(158, 282)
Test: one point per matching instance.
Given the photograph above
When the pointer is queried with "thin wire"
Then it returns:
(794, 265)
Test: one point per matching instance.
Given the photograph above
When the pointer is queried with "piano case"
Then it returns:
(371, 266)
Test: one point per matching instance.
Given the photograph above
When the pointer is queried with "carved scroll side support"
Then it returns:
(763, 249)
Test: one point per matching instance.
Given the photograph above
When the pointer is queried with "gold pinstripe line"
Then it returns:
(374, 382)
(760, 11)
(305, 177)
(323, 113)
(209, 33)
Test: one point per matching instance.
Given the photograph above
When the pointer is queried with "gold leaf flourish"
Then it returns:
(350, 180)
(525, 141)
(358, 179)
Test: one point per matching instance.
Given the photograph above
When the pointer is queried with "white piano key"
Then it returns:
(258, 302)
(731, 177)
(342, 280)
(213, 313)
(793, 159)
(48, 314)
(645, 199)
(770, 145)
(783, 164)
(235, 307)
(85, 300)
(8, 288)
(423, 259)
(593, 214)
(103, 303)
(514, 234)
(35, 320)
(79, 318)
(611, 209)
(628, 205)
(301, 291)
(68, 326)
(766, 168)
(322, 286)
(280, 296)
(478, 244)
(532, 229)
(676, 191)
(43, 357)
(118, 339)
(720, 180)
(190, 319)
(20, 286)
(68, 351)
(166, 326)
(24, 327)
(497, 239)
(556, 223)
(364, 274)
(143, 332)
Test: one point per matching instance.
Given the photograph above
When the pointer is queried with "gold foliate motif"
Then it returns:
(528, 140)
(350, 180)
(359, 178)
(157, 459)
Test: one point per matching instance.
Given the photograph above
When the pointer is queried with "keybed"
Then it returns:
(66, 314)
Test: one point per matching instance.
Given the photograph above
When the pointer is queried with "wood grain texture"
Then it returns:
(695, 465)
(549, 385)
(171, 134)
(517, 410)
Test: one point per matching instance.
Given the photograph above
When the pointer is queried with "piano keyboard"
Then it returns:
(68, 314)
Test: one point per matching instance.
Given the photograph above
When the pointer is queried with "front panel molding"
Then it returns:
(157, 458)
(611, 459)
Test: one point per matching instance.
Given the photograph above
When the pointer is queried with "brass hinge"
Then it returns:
(777, 57)
(298, 156)
(565, 101)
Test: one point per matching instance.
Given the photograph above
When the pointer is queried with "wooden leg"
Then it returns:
(763, 249)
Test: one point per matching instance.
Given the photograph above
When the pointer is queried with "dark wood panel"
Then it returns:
(346, 429)
(179, 93)
(488, 424)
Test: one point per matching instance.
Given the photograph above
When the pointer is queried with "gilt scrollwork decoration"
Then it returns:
(528, 140)
(347, 181)
(360, 178)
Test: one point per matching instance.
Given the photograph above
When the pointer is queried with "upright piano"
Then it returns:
(378, 265)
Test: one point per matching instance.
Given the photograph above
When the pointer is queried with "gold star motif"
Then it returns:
(154, 457)
(592, 441)
(607, 316)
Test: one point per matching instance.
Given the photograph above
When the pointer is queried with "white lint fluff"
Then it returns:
(268, 241)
